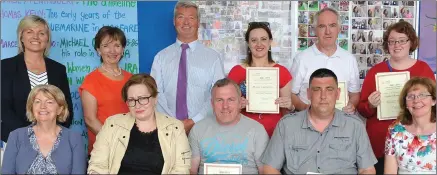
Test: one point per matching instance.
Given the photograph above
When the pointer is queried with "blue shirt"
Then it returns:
(204, 67)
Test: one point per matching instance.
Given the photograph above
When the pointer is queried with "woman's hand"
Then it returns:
(374, 99)
(92, 172)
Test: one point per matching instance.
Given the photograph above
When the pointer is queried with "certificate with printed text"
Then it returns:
(390, 85)
(213, 168)
(342, 101)
(262, 89)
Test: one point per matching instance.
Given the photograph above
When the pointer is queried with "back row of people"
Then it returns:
(187, 96)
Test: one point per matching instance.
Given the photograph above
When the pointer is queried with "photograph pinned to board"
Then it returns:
(369, 20)
(306, 14)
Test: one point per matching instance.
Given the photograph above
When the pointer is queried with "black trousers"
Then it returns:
(379, 167)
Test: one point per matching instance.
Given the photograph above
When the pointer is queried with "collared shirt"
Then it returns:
(298, 148)
(204, 67)
(342, 63)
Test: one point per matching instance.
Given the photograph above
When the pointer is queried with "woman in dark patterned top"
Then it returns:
(44, 147)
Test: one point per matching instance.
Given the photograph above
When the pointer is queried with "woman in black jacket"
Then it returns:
(29, 68)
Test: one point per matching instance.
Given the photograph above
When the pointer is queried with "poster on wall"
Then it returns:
(73, 25)
(306, 12)
(427, 31)
(361, 30)
(370, 19)
(223, 25)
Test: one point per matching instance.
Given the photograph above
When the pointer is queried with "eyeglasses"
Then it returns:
(419, 97)
(259, 24)
(141, 100)
(401, 41)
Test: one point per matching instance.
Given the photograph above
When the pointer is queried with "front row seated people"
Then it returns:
(45, 147)
(229, 137)
(142, 141)
(320, 139)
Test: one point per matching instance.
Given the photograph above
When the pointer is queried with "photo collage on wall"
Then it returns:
(306, 13)
(223, 25)
(370, 19)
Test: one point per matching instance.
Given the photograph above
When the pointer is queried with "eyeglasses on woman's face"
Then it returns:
(420, 96)
(401, 42)
(142, 100)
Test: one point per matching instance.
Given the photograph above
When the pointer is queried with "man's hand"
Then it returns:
(188, 124)
(285, 102)
(298, 104)
(349, 109)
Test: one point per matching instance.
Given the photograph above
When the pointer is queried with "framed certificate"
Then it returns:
(262, 89)
(342, 101)
(390, 85)
(213, 168)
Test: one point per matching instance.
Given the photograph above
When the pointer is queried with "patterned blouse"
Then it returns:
(414, 153)
(42, 165)
(37, 79)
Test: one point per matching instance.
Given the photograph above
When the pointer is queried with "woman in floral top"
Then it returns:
(410, 146)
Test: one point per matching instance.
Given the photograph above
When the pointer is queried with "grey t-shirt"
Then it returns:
(242, 143)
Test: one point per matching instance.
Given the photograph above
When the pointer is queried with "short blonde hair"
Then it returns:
(32, 21)
(186, 4)
(49, 91)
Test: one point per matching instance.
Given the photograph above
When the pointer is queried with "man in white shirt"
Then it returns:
(186, 70)
(325, 54)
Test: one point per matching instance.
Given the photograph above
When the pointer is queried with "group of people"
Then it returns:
(187, 112)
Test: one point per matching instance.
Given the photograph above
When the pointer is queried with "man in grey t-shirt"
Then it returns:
(228, 138)
(320, 139)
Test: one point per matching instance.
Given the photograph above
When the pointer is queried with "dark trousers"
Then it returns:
(379, 167)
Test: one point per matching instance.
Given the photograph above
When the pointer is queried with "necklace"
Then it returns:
(112, 72)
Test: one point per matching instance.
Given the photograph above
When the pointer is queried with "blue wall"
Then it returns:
(156, 30)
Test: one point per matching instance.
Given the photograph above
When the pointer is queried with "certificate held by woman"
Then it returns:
(262, 89)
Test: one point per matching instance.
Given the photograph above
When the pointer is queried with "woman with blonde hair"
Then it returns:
(45, 147)
(410, 145)
(141, 141)
(29, 68)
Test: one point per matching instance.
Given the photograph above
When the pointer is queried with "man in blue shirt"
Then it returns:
(186, 70)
